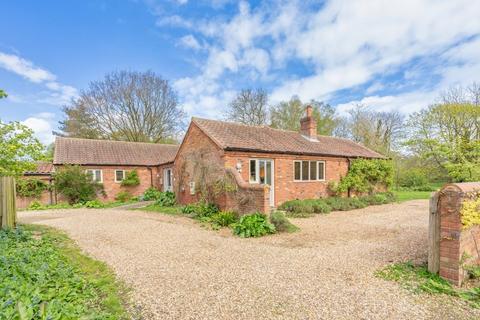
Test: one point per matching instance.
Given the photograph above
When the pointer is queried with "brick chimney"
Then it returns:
(308, 125)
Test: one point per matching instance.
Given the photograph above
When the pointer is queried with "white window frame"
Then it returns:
(165, 180)
(115, 175)
(318, 171)
(257, 168)
(93, 174)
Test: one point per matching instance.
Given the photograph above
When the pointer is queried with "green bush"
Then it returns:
(30, 188)
(77, 186)
(36, 205)
(415, 180)
(253, 225)
(189, 209)
(345, 204)
(94, 204)
(131, 179)
(123, 196)
(281, 223)
(151, 194)
(223, 218)
(166, 199)
(45, 277)
(364, 174)
(201, 209)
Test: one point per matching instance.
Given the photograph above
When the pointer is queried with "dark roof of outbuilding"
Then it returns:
(107, 152)
(240, 137)
(42, 168)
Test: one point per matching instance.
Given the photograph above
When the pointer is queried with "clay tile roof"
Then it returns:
(235, 136)
(106, 152)
(42, 168)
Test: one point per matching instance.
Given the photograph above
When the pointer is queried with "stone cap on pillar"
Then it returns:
(464, 187)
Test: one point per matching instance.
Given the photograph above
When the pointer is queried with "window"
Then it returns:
(95, 174)
(119, 175)
(309, 170)
(253, 171)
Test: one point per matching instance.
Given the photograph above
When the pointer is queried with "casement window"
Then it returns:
(305, 170)
(95, 174)
(261, 171)
(119, 175)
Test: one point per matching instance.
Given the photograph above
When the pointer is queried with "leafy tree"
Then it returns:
(249, 107)
(76, 185)
(287, 115)
(3, 94)
(19, 149)
(125, 105)
(131, 179)
(449, 135)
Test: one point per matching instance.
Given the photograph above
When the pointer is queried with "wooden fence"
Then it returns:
(8, 214)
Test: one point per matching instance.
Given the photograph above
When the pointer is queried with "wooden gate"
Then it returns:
(8, 214)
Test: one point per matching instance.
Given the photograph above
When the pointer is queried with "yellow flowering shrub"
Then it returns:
(470, 213)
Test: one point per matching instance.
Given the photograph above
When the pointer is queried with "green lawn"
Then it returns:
(412, 195)
(45, 276)
(175, 210)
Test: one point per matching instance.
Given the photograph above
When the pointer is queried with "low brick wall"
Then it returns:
(247, 198)
(457, 246)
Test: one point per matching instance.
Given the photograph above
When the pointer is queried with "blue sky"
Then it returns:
(390, 55)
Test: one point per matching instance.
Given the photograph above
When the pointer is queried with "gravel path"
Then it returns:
(179, 270)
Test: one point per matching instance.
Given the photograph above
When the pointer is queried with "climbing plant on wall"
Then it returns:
(30, 187)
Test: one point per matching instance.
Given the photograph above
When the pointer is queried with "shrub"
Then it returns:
(365, 174)
(131, 179)
(166, 199)
(35, 205)
(30, 188)
(123, 196)
(415, 180)
(281, 223)
(94, 204)
(76, 185)
(151, 194)
(201, 209)
(189, 208)
(297, 208)
(223, 218)
(253, 225)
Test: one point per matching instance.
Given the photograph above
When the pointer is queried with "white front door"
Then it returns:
(167, 180)
(263, 173)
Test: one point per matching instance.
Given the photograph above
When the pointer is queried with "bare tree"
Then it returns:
(380, 131)
(125, 105)
(249, 107)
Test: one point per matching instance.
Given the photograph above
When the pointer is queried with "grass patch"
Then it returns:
(45, 276)
(419, 280)
(412, 195)
(175, 210)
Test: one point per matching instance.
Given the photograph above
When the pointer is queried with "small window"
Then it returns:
(95, 174)
(119, 175)
(321, 170)
(192, 188)
(313, 170)
(298, 170)
(305, 166)
(253, 170)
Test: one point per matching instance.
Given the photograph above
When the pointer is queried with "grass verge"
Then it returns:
(418, 279)
(175, 210)
(45, 276)
(412, 195)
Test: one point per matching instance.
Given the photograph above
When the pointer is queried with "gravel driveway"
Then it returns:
(179, 270)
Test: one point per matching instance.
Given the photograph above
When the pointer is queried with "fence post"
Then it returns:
(434, 235)
(8, 214)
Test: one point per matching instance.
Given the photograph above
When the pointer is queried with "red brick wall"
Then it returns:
(22, 202)
(458, 246)
(197, 147)
(146, 177)
(285, 186)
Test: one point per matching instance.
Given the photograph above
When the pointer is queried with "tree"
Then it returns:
(3, 94)
(448, 134)
(287, 115)
(125, 105)
(19, 149)
(249, 107)
(76, 185)
(380, 131)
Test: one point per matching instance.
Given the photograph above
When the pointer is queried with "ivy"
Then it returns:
(131, 179)
(30, 188)
(364, 175)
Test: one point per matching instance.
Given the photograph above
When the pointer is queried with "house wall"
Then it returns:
(196, 152)
(284, 185)
(45, 198)
(147, 176)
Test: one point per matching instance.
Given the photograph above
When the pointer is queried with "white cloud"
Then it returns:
(42, 125)
(173, 21)
(189, 41)
(57, 93)
(24, 68)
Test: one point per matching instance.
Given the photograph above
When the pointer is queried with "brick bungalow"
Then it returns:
(270, 166)
(109, 161)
